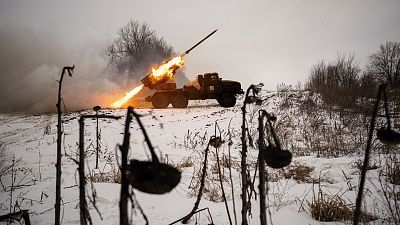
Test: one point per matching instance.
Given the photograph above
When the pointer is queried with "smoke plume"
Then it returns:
(31, 64)
(30, 67)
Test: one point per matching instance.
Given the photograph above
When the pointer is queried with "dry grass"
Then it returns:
(114, 176)
(326, 208)
(273, 176)
(3, 159)
(192, 141)
(211, 190)
(186, 162)
(359, 164)
(232, 163)
(329, 209)
(215, 174)
(214, 168)
(395, 195)
(299, 172)
(389, 179)
(213, 194)
(393, 174)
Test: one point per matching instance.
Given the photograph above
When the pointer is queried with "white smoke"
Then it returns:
(31, 62)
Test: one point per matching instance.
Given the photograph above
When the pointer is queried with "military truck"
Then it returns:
(209, 86)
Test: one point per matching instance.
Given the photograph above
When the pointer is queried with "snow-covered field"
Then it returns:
(179, 135)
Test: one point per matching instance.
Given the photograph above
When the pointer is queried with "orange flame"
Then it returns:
(166, 70)
(128, 95)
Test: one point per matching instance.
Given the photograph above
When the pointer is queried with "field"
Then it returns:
(322, 178)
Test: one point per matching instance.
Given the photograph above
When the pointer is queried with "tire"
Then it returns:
(227, 100)
(179, 101)
(160, 100)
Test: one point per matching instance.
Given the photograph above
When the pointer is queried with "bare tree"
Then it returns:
(368, 84)
(136, 49)
(338, 82)
(386, 63)
(317, 78)
(343, 72)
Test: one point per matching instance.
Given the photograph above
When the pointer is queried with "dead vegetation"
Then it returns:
(393, 173)
(211, 189)
(306, 126)
(213, 194)
(194, 140)
(323, 138)
(185, 162)
(299, 172)
(4, 158)
(389, 180)
(15, 177)
(322, 133)
(359, 163)
(395, 196)
(113, 176)
(327, 208)
(229, 162)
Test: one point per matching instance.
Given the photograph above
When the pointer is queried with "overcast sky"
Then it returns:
(267, 41)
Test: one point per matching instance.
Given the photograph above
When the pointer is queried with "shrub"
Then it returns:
(328, 208)
(341, 82)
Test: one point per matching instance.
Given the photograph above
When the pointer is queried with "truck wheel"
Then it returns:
(227, 100)
(160, 101)
(179, 101)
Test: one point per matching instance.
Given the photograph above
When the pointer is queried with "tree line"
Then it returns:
(342, 82)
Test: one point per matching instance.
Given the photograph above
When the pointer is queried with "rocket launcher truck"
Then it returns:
(208, 86)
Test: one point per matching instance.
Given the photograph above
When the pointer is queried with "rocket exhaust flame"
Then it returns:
(164, 72)
(128, 95)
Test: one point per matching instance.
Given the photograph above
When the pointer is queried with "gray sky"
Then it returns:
(257, 41)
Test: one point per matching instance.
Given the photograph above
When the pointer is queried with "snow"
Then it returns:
(176, 135)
